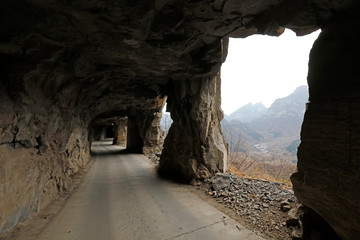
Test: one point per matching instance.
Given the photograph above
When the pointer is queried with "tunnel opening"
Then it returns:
(105, 130)
(165, 122)
(264, 97)
(135, 131)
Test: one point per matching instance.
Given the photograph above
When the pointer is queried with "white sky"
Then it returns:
(263, 68)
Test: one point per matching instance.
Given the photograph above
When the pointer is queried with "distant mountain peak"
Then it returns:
(291, 104)
(248, 112)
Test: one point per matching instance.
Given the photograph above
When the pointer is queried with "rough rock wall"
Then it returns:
(328, 177)
(194, 147)
(40, 150)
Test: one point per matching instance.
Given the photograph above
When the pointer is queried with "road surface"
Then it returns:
(122, 198)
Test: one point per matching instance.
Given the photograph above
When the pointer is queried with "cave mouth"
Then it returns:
(265, 109)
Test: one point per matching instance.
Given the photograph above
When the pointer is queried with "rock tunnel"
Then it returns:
(70, 69)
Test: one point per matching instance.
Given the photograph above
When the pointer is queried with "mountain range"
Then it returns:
(272, 130)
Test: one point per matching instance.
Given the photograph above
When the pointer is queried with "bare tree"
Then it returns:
(238, 153)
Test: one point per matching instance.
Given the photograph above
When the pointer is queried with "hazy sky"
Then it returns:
(263, 68)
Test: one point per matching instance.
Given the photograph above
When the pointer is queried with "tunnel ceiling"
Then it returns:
(106, 56)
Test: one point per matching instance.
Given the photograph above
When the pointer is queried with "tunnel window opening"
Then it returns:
(264, 93)
(166, 121)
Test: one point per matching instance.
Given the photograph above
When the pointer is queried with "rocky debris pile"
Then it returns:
(154, 157)
(154, 153)
(264, 206)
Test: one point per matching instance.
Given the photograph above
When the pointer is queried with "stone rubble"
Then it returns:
(266, 207)
(154, 157)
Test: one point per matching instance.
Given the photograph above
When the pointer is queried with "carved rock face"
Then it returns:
(65, 64)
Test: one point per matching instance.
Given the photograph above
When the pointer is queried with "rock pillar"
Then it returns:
(328, 176)
(194, 147)
(120, 131)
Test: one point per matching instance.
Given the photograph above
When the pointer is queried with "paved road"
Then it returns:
(122, 198)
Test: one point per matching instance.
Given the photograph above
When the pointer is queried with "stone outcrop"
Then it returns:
(65, 64)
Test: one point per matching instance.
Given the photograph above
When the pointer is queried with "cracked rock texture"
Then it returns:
(67, 64)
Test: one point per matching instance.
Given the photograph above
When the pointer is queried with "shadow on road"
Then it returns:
(106, 147)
